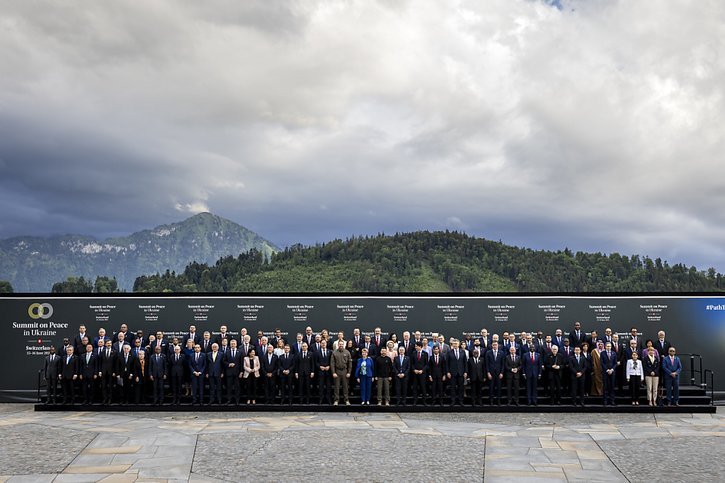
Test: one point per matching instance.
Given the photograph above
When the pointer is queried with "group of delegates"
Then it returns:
(205, 368)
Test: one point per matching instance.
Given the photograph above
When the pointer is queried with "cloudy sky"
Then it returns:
(599, 125)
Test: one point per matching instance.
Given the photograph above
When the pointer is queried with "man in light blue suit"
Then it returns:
(671, 368)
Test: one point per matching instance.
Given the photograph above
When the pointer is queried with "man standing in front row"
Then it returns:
(68, 374)
(671, 368)
(341, 366)
(51, 372)
(198, 370)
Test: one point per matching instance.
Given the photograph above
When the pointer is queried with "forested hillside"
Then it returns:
(431, 262)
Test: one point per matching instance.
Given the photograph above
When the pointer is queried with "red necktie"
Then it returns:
(532, 357)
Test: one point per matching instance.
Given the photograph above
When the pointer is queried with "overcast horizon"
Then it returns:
(597, 126)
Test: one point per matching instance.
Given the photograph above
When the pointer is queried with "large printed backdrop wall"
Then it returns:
(30, 325)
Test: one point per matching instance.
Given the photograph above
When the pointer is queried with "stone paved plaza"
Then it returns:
(80, 446)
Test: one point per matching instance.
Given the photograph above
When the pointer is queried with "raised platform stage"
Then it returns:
(693, 399)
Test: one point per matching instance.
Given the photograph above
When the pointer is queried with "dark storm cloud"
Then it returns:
(596, 126)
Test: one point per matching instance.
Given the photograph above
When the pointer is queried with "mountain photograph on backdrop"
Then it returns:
(207, 253)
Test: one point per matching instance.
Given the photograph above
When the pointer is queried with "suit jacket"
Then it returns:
(128, 339)
(495, 365)
(97, 338)
(322, 361)
(580, 366)
(52, 369)
(554, 360)
(532, 368)
(198, 364)
(238, 367)
(662, 348)
(419, 364)
(401, 367)
(651, 366)
(218, 338)
(305, 364)
(668, 366)
(214, 366)
(125, 369)
(507, 346)
(295, 349)
(118, 347)
(206, 346)
(456, 366)
(78, 344)
(274, 340)
(90, 368)
(188, 335)
(162, 343)
(176, 368)
(157, 365)
(408, 350)
(69, 368)
(251, 367)
(108, 364)
(267, 366)
(286, 362)
(439, 370)
(575, 341)
(372, 349)
(608, 362)
(370, 367)
(508, 364)
(477, 370)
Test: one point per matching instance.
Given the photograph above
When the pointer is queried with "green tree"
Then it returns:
(73, 285)
(106, 285)
(5, 287)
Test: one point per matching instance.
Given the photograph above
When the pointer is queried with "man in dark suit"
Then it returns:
(304, 373)
(608, 360)
(576, 336)
(437, 375)
(277, 337)
(193, 335)
(158, 371)
(662, 345)
(671, 369)
(223, 334)
(419, 363)
(88, 373)
(160, 341)
(233, 366)
(197, 363)
(120, 342)
(456, 365)
(401, 366)
(638, 339)
(286, 364)
(322, 367)
(214, 373)
(107, 365)
(477, 375)
(512, 369)
(101, 337)
(206, 343)
(368, 344)
(558, 339)
(554, 363)
(485, 341)
(127, 369)
(177, 364)
(69, 370)
(578, 368)
(532, 368)
(51, 372)
(494, 372)
(78, 346)
(127, 335)
(268, 364)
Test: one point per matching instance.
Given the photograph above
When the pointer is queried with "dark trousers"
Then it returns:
(158, 389)
(232, 388)
(286, 388)
(532, 384)
(436, 389)
(250, 387)
(303, 386)
(577, 388)
(215, 389)
(494, 389)
(324, 386)
(634, 383)
(126, 390)
(52, 390)
(270, 388)
(672, 388)
(512, 389)
(87, 385)
(476, 391)
(555, 386)
(197, 389)
(69, 392)
(107, 387)
(177, 381)
(608, 387)
(456, 386)
(401, 389)
(419, 387)
(140, 390)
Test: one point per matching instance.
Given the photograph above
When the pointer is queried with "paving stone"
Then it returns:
(39, 448)
(80, 469)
